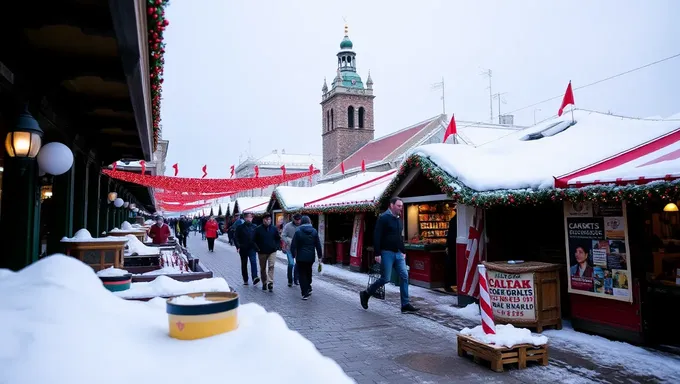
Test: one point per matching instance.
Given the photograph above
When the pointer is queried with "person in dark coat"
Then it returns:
(267, 241)
(388, 245)
(184, 228)
(244, 238)
(306, 247)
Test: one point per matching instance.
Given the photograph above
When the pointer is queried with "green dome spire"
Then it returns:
(346, 43)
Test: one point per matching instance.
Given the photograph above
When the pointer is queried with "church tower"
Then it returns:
(347, 109)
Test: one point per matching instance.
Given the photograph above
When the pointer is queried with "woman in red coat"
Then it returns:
(211, 233)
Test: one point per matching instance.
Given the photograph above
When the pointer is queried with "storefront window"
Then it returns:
(428, 223)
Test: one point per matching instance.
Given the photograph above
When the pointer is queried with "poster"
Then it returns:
(597, 250)
(512, 296)
(357, 236)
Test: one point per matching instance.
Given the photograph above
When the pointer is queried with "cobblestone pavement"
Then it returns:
(382, 345)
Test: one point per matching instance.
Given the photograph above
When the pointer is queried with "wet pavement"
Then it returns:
(382, 345)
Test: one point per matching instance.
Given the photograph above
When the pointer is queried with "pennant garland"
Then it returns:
(176, 167)
(257, 171)
(186, 184)
(232, 171)
(143, 164)
(283, 170)
(363, 166)
(205, 171)
(451, 130)
(568, 99)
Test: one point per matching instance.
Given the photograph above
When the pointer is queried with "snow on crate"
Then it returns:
(505, 336)
(84, 236)
(134, 247)
(164, 286)
(60, 325)
(532, 157)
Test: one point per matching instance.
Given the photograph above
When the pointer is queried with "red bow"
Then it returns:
(143, 164)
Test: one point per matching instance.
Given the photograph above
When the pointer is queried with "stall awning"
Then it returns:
(657, 159)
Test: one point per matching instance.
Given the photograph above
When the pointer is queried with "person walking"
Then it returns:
(287, 235)
(305, 246)
(160, 232)
(232, 228)
(245, 245)
(267, 241)
(211, 227)
(184, 227)
(388, 245)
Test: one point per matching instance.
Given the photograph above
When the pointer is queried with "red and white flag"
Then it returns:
(451, 130)
(568, 99)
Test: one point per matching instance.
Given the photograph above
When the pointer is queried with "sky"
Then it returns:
(245, 77)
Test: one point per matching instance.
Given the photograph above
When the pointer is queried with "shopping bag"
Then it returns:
(373, 276)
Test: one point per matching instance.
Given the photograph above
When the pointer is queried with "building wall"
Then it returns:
(340, 141)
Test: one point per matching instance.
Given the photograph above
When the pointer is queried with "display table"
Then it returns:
(525, 294)
(426, 263)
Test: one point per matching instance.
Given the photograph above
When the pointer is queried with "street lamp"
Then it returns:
(112, 196)
(25, 140)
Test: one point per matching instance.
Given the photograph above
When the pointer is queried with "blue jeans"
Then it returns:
(245, 256)
(292, 269)
(391, 260)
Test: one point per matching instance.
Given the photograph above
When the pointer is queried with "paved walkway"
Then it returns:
(382, 345)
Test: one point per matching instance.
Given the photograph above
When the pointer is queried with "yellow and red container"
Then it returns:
(198, 321)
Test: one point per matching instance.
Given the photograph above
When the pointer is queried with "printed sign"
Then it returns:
(599, 264)
(512, 295)
(357, 236)
(322, 229)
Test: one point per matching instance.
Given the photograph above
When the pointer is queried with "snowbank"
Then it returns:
(61, 326)
(470, 312)
(83, 235)
(164, 286)
(513, 162)
(112, 272)
(506, 336)
(136, 247)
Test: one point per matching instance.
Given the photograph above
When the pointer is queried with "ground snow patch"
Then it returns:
(61, 319)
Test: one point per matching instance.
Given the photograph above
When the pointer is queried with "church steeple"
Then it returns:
(347, 64)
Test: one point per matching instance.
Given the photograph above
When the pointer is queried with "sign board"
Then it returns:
(596, 239)
(357, 236)
(513, 296)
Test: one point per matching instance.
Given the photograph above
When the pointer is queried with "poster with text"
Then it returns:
(512, 296)
(597, 250)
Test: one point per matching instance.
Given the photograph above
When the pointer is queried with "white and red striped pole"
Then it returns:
(488, 325)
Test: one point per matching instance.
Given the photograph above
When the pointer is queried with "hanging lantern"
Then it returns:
(670, 207)
(126, 204)
(26, 138)
(118, 202)
(112, 196)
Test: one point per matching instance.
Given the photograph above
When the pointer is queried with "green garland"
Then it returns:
(345, 208)
(456, 190)
(156, 21)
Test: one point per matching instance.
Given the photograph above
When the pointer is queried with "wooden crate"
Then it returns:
(500, 356)
(97, 254)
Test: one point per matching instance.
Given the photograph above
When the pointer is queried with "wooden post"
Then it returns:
(61, 224)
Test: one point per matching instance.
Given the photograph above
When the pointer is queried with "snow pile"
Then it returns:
(136, 247)
(112, 272)
(506, 336)
(84, 236)
(513, 162)
(61, 319)
(149, 222)
(127, 227)
(164, 286)
(470, 312)
(189, 300)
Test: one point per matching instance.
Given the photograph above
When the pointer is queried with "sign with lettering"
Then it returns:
(597, 250)
(512, 295)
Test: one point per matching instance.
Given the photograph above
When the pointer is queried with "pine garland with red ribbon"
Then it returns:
(185, 184)
(157, 23)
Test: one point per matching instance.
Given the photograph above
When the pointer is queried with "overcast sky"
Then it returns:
(252, 70)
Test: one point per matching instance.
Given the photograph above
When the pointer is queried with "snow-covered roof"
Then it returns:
(256, 205)
(533, 157)
(292, 161)
(476, 133)
(360, 187)
(658, 159)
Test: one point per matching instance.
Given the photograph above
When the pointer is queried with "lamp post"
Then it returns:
(21, 193)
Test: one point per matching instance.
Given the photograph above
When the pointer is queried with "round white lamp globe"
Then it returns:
(126, 204)
(133, 206)
(55, 158)
(118, 202)
(135, 209)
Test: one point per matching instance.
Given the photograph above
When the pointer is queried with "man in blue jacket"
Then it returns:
(267, 242)
(305, 247)
(244, 237)
(388, 243)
